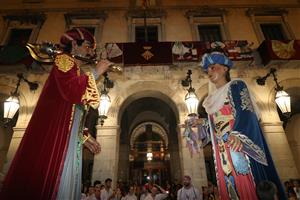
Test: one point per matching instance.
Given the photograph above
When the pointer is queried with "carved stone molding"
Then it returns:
(133, 3)
(25, 18)
(266, 12)
(151, 13)
(70, 17)
(205, 12)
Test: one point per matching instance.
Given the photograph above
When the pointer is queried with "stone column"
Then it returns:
(13, 147)
(280, 150)
(292, 134)
(194, 165)
(123, 171)
(106, 162)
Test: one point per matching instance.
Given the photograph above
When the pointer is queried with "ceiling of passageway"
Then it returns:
(153, 110)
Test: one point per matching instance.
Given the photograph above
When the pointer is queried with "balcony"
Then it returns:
(150, 53)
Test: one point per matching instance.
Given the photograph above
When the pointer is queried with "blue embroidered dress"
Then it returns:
(232, 112)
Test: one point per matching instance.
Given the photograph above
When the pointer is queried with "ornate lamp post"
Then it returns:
(105, 99)
(282, 99)
(191, 98)
(11, 105)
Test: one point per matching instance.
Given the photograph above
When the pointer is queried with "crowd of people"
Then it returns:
(266, 190)
(148, 191)
(292, 189)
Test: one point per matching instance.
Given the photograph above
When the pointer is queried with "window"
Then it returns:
(92, 21)
(155, 25)
(273, 31)
(152, 34)
(21, 29)
(18, 36)
(210, 33)
(208, 24)
(270, 24)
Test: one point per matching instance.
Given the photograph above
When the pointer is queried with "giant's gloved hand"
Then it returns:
(90, 143)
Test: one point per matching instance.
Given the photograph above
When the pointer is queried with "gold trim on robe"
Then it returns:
(91, 96)
(64, 62)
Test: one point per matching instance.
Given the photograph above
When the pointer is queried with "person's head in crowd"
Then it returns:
(131, 190)
(97, 193)
(108, 183)
(216, 191)
(91, 190)
(154, 190)
(102, 186)
(119, 192)
(187, 181)
(204, 192)
(145, 189)
(296, 183)
(97, 182)
(266, 190)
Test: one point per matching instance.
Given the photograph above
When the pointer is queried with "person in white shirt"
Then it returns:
(297, 188)
(155, 194)
(91, 194)
(107, 192)
(144, 192)
(188, 191)
(130, 195)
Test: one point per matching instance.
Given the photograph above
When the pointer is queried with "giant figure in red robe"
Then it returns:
(47, 164)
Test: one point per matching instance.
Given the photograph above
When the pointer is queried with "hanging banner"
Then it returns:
(279, 50)
(161, 53)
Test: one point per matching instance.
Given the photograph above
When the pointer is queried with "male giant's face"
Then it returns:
(85, 50)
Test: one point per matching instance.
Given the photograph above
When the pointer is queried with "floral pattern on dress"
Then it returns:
(246, 103)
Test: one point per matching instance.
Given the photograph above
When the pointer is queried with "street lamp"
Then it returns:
(105, 101)
(191, 98)
(282, 99)
(11, 105)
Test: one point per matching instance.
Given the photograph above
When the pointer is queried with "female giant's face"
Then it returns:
(216, 73)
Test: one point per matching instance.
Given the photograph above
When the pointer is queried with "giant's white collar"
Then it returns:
(214, 101)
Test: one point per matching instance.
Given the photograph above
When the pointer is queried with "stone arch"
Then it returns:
(141, 128)
(147, 89)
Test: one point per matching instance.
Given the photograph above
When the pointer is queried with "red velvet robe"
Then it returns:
(36, 168)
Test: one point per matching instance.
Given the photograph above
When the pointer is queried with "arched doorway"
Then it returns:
(149, 125)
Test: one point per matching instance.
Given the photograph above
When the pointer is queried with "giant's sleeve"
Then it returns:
(246, 125)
